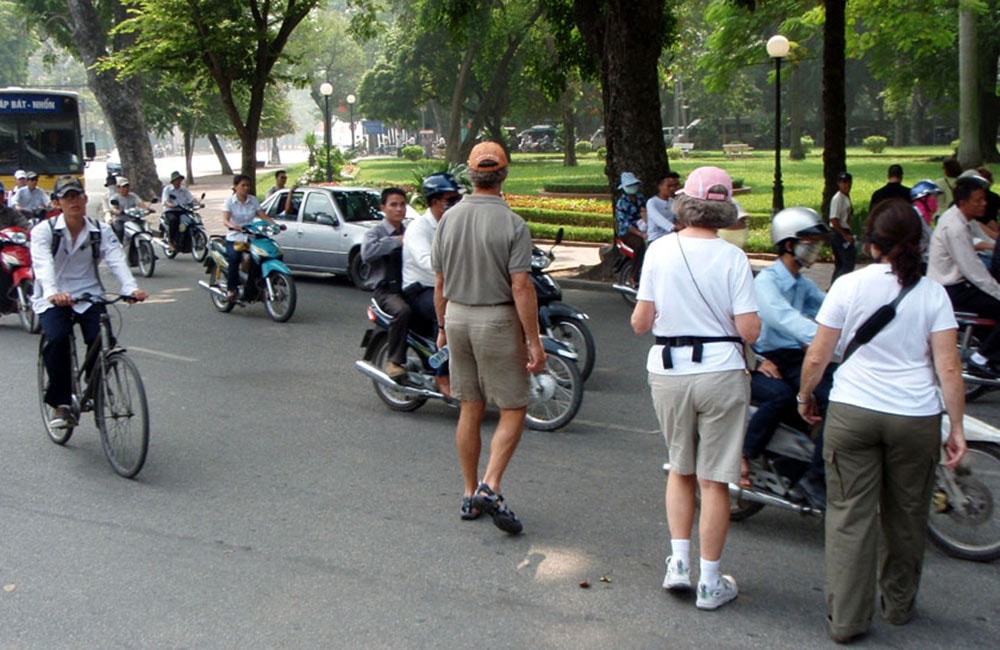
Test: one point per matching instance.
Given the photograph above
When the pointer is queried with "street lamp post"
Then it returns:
(326, 90)
(350, 103)
(777, 49)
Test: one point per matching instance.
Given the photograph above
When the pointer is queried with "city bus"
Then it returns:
(40, 132)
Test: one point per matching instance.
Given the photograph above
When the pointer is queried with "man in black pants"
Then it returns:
(382, 250)
(955, 264)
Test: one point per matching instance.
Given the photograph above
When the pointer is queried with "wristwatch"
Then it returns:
(799, 399)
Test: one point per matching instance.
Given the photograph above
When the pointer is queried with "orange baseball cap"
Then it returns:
(487, 157)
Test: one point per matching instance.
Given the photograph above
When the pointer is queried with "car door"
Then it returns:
(289, 239)
(321, 234)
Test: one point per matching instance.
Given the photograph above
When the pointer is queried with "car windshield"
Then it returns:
(358, 206)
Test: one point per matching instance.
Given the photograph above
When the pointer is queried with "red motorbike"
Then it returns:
(15, 264)
(623, 272)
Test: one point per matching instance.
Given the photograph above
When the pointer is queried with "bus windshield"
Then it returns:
(40, 132)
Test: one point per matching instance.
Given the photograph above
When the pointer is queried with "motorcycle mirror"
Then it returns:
(202, 196)
(155, 199)
(558, 240)
(114, 202)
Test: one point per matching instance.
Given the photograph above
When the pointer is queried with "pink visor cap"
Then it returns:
(709, 184)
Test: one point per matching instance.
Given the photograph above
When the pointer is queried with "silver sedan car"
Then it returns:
(326, 226)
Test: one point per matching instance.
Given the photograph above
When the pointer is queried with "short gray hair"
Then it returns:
(704, 213)
(488, 180)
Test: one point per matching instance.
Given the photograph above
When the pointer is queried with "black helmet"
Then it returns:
(439, 183)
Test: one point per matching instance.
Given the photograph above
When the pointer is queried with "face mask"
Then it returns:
(631, 189)
(805, 254)
(737, 238)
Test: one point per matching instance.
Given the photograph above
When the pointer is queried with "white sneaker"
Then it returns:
(678, 576)
(714, 597)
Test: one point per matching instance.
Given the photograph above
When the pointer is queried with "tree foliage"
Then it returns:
(234, 43)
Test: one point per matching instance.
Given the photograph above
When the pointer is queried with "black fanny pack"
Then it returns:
(696, 343)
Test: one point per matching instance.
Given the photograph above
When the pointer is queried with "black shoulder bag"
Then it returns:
(875, 323)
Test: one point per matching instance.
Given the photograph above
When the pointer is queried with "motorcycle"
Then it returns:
(15, 263)
(971, 329)
(558, 320)
(189, 232)
(137, 238)
(263, 276)
(964, 518)
(556, 393)
(623, 271)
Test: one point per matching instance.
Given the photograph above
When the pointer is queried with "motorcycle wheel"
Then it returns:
(574, 334)
(624, 277)
(29, 319)
(145, 257)
(974, 534)
(556, 395)
(281, 308)
(219, 280)
(199, 245)
(396, 400)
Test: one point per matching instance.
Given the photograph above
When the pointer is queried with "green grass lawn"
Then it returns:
(802, 179)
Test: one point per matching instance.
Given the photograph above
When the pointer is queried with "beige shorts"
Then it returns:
(703, 418)
(487, 355)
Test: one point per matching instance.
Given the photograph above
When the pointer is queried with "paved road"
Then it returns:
(283, 505)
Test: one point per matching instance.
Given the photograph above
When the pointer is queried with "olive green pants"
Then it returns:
(879, 477)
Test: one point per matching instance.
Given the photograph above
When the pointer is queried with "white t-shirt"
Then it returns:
(841, 210)
(417, 246)
(892, 373)
(723, 275)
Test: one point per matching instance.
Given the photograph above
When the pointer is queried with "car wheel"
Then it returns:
(358, 270)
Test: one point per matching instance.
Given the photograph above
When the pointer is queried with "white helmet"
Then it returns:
(795, 223)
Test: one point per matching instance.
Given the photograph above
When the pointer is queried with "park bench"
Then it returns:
(736, 149)
(685, 147)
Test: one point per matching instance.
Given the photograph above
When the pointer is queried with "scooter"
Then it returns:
(558, 320)
(15, 263)
(964, 518)
(623, 271)
(137, 239)
(970, 330)
(263, 276)
(189, 232)
(556, 392)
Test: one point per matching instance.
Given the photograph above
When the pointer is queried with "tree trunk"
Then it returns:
(120, 100)
(626, 39)
(569, 127)
(453, 142)
(220, 153)
(989, 104)
(188, 155)
(969, 150)
(834, 99)
(795, 150)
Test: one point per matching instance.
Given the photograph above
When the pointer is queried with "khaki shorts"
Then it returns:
(487, 355)
(703, 418)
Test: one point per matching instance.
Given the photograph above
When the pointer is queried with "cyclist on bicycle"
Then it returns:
(65, 252)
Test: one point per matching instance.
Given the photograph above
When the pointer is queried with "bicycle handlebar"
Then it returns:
(99, 299)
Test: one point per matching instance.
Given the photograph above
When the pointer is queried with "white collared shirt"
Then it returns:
(417, 251)
(71, 270)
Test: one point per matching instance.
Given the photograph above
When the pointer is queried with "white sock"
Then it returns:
(709, 572)
(978, 358)
(680, 550)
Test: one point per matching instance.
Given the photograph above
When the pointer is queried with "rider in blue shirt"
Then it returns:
(788, 303)
(629, 212)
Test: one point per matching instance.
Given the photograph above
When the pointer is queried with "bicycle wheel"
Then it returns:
(122, 415)
(62, 435)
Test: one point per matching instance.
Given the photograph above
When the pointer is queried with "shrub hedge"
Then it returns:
(583, 219)
(575, 188)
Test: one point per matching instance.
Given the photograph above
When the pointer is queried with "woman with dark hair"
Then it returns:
(239, 210)
(883, 424)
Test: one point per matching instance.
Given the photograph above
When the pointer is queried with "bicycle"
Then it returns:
(108, 384)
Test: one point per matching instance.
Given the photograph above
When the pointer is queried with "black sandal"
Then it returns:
(469, 511)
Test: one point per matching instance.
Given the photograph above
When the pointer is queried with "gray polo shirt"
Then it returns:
(478, 244)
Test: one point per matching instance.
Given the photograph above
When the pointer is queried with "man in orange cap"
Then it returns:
(484, 296)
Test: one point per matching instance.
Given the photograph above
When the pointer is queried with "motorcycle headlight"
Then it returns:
(259, 251)
(540, 261)
(19, 238)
